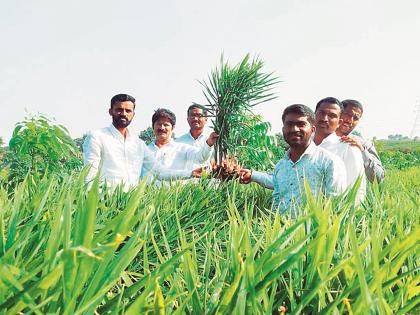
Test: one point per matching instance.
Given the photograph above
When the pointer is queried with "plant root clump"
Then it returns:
(225, 171)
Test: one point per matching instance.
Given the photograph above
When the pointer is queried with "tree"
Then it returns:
(147, 135)
(397, 137)
(79, 142)
(38, 147)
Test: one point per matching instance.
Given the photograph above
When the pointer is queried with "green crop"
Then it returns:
(231, 93)
(202, 248)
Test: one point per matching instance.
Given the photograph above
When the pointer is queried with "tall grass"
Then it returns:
(204, 248)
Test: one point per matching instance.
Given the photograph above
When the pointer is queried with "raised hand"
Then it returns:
(352, 141)
(212, 139)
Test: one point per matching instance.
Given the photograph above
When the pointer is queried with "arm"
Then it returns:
(92, 155)
(263, 179)
(151, 165)
(200, 154)
(276, 192)
(373, 166)
(371, 162)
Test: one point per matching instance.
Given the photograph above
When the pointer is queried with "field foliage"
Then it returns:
(205, 248)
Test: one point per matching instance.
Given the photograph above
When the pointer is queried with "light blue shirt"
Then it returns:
(322, 170)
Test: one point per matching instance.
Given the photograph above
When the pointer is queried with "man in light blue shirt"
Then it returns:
(323, 171)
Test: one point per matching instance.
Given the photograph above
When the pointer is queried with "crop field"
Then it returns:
(206, 248)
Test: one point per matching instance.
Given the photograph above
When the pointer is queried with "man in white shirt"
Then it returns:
(323, 171)
(172, 154)
(198, 134)
(327, 119)
(118, 154)
(353, 111)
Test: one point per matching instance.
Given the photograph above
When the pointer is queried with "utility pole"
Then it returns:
(415, 131)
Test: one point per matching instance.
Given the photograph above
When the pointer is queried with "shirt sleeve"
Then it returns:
(151, 165)
(372, 163)
(263, 179)
(92, 149)
(200, 154)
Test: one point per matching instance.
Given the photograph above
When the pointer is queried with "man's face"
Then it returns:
(297, 130)
(122, 114)
(327, 118)
(163, 129)
(196, 119)
(350, 118)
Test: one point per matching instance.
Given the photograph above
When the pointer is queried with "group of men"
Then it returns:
(322, 151)
(121, 158)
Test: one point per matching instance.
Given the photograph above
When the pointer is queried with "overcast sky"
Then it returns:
(67, 59)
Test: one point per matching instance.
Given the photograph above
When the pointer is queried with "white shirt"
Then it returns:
(353, 160)
(322, 170)
(120, 160)
(176, 156)
(199, 142)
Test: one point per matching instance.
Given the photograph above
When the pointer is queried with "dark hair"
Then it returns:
(164, 113)
(301, 110)
(194, 105)
(354, 103)
(329, 100)
(123, 98)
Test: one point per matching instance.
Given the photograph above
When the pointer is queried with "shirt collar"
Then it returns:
(331, 139)
(114, 131)
(200, 136)
(310, 150)
(169, 144)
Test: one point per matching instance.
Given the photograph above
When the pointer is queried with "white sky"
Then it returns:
(67, 59)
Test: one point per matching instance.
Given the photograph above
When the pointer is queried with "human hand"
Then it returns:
(245, 175)
(212, 139)
(352, 141)
(198, 172)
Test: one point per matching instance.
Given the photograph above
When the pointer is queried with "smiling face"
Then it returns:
(350, 118)
(163, 129)
(196, 118)
(297, 130)
(122, 114)
(327, 118)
